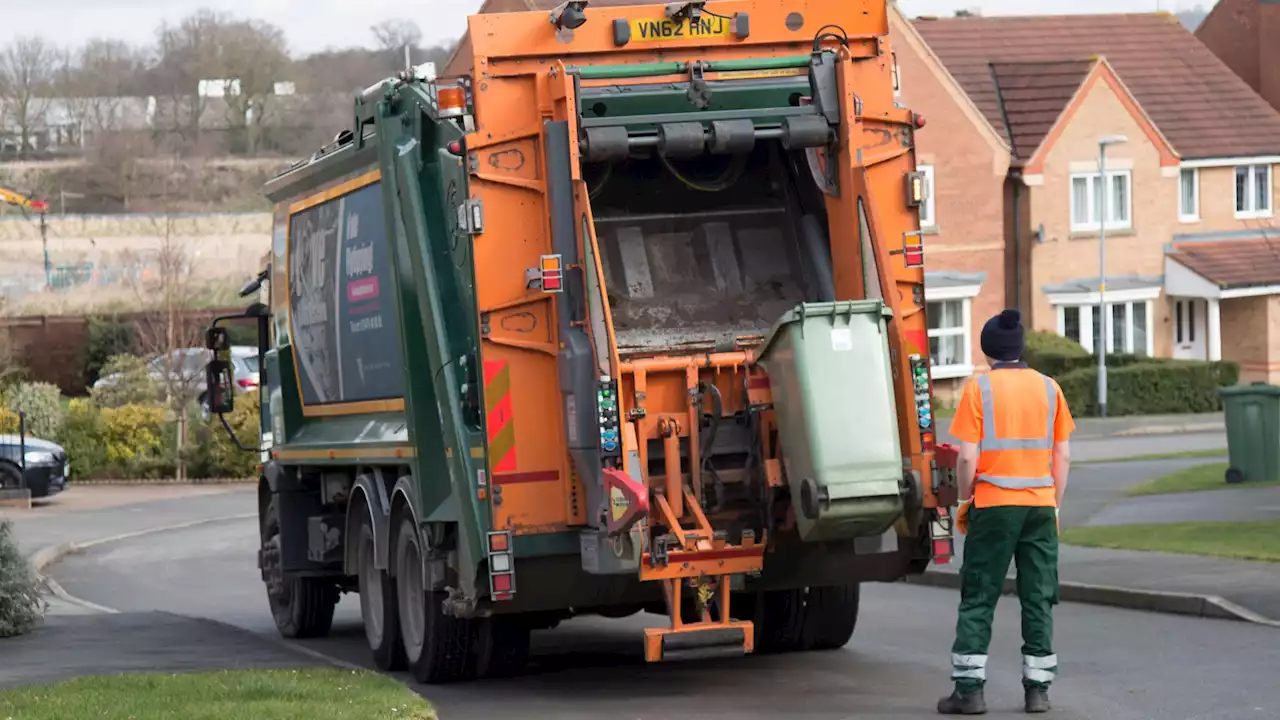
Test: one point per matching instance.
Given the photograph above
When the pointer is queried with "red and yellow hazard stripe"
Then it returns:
(499, 419)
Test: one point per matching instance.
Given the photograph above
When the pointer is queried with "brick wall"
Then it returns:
(1218, 201)
(1064, 255)
(969, 172)
(1247, 337)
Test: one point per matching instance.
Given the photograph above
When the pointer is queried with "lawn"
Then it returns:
(1234, 540)
(1193, 479)
(229, 695)
(1184, 455)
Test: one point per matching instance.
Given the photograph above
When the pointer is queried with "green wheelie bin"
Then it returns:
(1253, 432)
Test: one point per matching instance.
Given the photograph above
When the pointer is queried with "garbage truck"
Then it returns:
(630, 319)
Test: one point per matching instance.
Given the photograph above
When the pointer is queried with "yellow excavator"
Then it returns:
(13, 197)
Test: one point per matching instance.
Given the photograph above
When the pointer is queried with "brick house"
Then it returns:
(965, 162)
(1189, 193)
(1245, 34)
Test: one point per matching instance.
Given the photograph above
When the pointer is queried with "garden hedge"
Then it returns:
(1136, 385)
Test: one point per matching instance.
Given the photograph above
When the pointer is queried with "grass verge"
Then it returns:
(1193, 479)
(227, 695)
(1185, 455)
(1234, 540)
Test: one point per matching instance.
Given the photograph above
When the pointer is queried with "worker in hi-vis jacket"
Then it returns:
(1013, 424)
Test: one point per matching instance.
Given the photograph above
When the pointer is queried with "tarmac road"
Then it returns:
(1116, 664)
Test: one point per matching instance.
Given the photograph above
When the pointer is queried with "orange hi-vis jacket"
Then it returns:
(1015, 415)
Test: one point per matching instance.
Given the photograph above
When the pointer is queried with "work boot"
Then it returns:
(963, 704)
(1037, 699)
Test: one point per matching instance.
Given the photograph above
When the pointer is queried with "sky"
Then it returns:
(313, 25)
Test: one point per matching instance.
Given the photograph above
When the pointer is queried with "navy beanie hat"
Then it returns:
(1003, 336)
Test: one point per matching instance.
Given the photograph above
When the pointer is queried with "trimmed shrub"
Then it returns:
(132, 435)
(9, 421)
(214, 455)
(1152, 387)
(108, 337)
(42, 402)
(20, 603)
(132, 386)
(81, 437)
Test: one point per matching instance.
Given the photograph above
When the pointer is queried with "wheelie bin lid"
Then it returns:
(807, 311)
(1255, 388)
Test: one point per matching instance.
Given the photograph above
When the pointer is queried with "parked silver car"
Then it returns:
(185, 367)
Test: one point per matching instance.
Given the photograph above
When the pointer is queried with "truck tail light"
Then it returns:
(943, 537)
(551, 273)
(502, 570)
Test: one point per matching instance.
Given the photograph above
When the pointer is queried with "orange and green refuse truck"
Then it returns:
(631, 319)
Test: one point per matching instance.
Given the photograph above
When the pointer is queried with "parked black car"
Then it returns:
(45, 462)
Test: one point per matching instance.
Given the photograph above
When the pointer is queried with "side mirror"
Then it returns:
(219, 393)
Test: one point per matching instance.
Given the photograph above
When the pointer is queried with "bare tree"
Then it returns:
(186, 54)
(394, 35)
(99, 84)
(252, 58)
(27, 71)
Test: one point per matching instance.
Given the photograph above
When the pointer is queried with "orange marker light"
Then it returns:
(451, 101)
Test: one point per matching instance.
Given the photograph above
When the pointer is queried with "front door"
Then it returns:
(1189, 329)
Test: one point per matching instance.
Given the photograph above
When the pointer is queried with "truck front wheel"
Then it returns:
(301, 607)
(378, 605)
(437, 646)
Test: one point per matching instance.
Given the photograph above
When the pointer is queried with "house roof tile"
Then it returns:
(1196, 101)
(1233, 263)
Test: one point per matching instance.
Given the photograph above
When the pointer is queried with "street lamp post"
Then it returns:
(1104, 332)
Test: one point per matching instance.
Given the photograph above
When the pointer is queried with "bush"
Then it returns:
(214, 455)
(133, 439)
(42, 402)
(9, 421)
(20, 603)
(108, 337)
(132, 386)
(1150, 387)
(81, 437)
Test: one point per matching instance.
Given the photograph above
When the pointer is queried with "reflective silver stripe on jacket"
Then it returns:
(991, 441)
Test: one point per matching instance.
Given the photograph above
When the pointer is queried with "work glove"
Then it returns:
(962, 517)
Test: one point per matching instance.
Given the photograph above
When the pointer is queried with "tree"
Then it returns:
(395, 35)
(99, 83)
(27, 70)
(252, 58)
(187, 53)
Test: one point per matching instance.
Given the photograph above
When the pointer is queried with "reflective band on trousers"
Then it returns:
(991, 441)
(1039, 669)
(969, 667)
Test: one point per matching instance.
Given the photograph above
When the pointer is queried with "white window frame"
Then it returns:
(1192, 214)
(1087, 301)
(928, 208)
(1251, 192)
(1092, 224)
(963, 294)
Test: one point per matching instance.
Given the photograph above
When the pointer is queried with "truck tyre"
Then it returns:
(500, 646)
(302, 607)
(830, 615)
(779, 621)
(379, 606)
(436, 645)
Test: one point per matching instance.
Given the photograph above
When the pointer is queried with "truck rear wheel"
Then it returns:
(378, 604)
(301, 607)
(830, 615)
(779, 620)
(500, 646)
(437, 646)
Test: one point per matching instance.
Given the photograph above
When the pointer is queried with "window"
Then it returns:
(1189, 195)
(949, 334)
(1253, 191)
(1087, 201)
(927, 218)
(1128, 325)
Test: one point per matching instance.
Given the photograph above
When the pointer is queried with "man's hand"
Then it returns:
(962, 517)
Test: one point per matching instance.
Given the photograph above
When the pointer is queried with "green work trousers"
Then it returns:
(1028, 536)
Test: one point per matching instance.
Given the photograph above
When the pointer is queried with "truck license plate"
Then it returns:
(656, 30)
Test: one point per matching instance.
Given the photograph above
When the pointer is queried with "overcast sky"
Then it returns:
(316, 24)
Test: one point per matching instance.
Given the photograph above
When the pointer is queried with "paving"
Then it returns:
(68, 646)
(1100, 439)
(1236, 504)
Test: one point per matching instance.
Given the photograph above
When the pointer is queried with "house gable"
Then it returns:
(1101, 72)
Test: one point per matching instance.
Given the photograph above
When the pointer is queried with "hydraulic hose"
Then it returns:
(717, 402)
